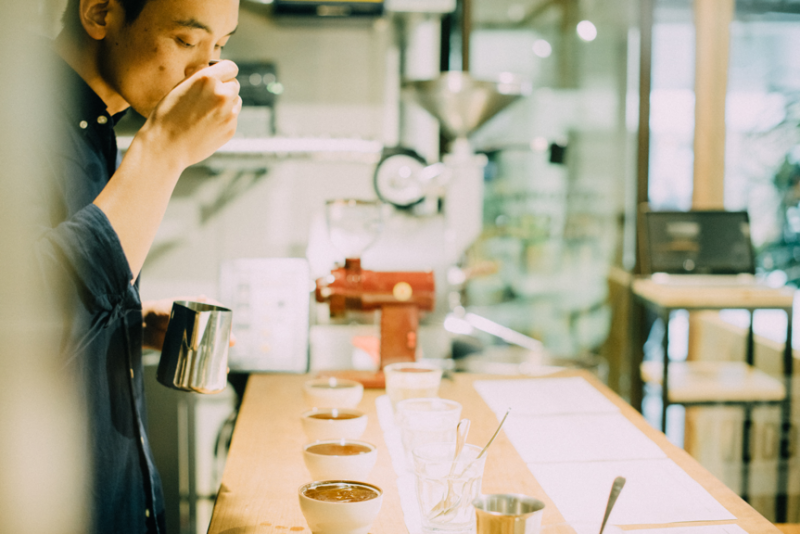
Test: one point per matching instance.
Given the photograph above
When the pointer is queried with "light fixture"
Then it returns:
(539, 144)
(542, 48)
(586, 30)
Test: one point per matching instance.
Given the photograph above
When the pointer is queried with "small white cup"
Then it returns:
(337, 517)
(339, 459)
(332, 393)
(333, 423)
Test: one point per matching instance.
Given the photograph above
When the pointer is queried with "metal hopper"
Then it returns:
(461, 103)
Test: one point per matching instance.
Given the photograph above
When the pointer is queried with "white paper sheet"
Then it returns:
(392, 436)
(656, 491)
(406, 481)
(594, 527)
(578, 438)
(407, 487)
(706, 529)
(543, 397)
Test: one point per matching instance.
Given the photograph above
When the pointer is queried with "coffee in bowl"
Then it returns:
(332, 393)
(340, 459)
(341, 491)
(334, 414)
(332, 383)
(340, 506)
(338, 449)
(333, 423)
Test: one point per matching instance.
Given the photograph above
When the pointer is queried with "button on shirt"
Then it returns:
(82, 262)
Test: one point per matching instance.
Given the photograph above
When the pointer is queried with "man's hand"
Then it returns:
(155, 315)
(198, 116)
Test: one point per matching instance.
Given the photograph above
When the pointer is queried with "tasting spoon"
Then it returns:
(493, 435)
(447, 502)
(448, 507)
(616, 487)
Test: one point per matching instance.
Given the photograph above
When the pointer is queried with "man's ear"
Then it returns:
(97, 16)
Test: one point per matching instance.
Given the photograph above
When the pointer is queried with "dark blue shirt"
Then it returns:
(82, 261)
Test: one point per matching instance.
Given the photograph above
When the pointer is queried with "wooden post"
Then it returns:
(637, 318)
(712, 26)
(568, 45)
(466, 31)
(712, 20)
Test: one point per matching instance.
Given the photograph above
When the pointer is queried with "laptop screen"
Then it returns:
(697, 242)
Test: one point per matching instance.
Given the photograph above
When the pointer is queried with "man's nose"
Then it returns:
(194, 67)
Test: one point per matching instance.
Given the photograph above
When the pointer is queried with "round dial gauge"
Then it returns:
(397, 177)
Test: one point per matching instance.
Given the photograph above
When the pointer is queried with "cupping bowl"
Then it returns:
(340, 515)
(332, 393)
(333, 423)
(345, 459)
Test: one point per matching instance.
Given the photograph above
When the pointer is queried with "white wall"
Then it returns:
(335, 76)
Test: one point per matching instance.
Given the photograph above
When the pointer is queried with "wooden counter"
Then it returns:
(265, 466)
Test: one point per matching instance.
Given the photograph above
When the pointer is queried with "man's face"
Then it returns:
(169, 41)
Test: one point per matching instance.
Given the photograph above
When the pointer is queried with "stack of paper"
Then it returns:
(575, 442)
(709, 529)
(543, 397)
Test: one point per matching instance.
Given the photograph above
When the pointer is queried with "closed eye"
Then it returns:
(184, 43)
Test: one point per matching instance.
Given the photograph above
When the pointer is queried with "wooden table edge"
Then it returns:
(746, 517)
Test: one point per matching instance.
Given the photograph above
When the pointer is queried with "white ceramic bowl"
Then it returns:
(332, 393)
(329, 460)
(331, 517)
(333, 423)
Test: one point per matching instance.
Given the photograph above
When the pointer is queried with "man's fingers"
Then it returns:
(233, 102)
(225, 70)
(230, 88)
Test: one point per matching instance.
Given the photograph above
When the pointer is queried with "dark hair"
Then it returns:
(71, 18)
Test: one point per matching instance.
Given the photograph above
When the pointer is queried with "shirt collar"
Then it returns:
(83, 106)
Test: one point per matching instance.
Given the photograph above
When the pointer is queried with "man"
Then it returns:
(99, 218)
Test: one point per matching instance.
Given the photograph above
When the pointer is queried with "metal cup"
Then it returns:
(508, 513)
(195, 352)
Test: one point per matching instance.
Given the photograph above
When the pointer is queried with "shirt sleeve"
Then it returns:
(83, 266)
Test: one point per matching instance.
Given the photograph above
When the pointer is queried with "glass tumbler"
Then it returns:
(427, 420)
(411, 380)
(446, 489)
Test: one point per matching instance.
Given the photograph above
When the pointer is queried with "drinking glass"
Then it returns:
(427, 420)
(440, 482)
(409, 380)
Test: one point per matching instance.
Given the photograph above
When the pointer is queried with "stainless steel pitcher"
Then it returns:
(195, 352)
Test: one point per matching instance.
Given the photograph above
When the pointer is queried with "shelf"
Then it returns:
(712, 382)
(345, 149)
(713, 297)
